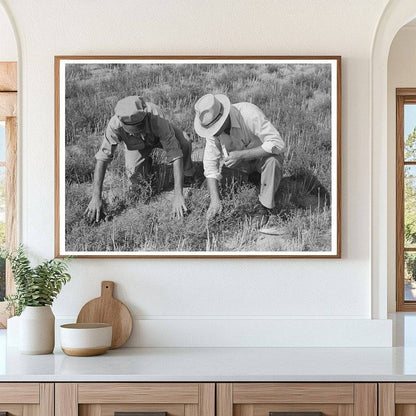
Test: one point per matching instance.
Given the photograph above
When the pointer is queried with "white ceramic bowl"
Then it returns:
(83, 340)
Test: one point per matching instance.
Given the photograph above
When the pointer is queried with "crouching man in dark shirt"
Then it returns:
(141, 126)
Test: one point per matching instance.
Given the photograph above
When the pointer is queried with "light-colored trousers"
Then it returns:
(271, 171)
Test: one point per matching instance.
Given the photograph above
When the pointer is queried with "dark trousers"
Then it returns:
(138, 162)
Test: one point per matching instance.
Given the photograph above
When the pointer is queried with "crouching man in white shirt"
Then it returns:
(241, 135)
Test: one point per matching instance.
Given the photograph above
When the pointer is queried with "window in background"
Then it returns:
(8, 175)
(2, 206)
(406, 199)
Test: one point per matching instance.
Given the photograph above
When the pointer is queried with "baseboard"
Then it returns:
(165, 332)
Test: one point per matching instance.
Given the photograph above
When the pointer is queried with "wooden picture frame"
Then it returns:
(301, 93)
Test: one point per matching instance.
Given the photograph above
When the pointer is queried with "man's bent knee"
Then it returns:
(272, 161)
(136, 173)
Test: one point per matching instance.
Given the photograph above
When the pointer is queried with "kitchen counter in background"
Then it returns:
(213, 364)
(223, 364)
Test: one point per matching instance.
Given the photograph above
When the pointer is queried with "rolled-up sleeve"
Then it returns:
(110, 141)
(212, 157)
(265, 131)
(167, 138)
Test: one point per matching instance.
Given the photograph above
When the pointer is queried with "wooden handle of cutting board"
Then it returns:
(107, 289)
(109, 310)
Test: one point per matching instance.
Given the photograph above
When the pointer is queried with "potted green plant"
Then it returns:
(36, 289)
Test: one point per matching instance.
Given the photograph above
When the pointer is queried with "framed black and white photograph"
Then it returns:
(198, 156)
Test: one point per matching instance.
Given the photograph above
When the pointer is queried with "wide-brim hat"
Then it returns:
(131, 112)
(211, 112)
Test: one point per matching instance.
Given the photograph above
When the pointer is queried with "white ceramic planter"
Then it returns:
(37, 330)
(13, 331)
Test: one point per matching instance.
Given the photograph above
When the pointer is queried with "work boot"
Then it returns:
(261, 215)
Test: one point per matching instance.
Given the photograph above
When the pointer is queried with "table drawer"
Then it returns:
(397, 399)
(296, 399)
(147, 399)
(23, 399)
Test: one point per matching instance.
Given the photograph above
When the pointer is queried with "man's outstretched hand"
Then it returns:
(178, 206)
(94, 211)
(215, 208)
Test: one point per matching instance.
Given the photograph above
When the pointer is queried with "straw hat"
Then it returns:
(211, 111)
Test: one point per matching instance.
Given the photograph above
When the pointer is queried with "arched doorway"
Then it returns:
(396, 14)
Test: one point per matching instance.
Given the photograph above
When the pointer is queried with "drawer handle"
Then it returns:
(139, 414)
(296, 414)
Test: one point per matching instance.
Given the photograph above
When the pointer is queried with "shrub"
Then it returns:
(35, 286)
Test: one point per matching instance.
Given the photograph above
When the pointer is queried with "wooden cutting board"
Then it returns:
(107, 309)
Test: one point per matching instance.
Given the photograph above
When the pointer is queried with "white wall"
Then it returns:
(183, 300)
(8, 47)
(401, 74)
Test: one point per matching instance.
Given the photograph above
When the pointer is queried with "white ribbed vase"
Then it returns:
(37, 330)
